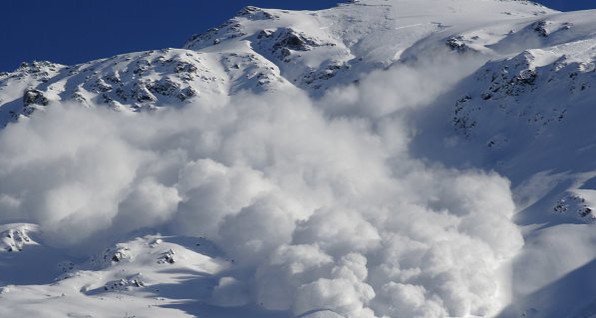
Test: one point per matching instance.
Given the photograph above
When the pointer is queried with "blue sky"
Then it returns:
(75, 31)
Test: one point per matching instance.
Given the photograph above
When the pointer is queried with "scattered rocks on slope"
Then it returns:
(110, 256)
(125, 284)
(315, 78)
(167, 257)
(577, 203)
(229, 30)
(458, 44)
(284, 41)
(540, 28)
(516, 88)
(255, 13)
(14, 239)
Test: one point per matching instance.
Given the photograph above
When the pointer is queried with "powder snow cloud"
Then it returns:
(319, 202)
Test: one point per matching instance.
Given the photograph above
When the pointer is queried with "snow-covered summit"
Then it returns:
(267, 49)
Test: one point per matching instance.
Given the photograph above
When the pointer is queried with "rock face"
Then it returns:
(33, 96)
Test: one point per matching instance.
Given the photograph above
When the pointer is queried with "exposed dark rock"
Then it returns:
(164, 87)
(186, 93)
(458, 45)
(185, 67)
(33, 96)
(101, 86)
(123, 284)
(141, 94)
(290, 39)
(255, 13)
(168, 257)
(540, 28)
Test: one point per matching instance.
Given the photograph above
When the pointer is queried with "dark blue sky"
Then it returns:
(75, 31)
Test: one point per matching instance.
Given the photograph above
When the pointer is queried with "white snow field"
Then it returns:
(382, 158)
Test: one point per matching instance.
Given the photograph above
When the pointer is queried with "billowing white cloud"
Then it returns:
(319, 203)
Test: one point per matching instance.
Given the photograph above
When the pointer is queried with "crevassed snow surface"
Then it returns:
(393, 158)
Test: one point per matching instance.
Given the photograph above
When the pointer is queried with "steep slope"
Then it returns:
(528, 115)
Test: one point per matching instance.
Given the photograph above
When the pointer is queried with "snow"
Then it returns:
(382, 158)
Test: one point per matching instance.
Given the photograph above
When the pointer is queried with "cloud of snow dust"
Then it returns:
(403, 87)
(319, 203)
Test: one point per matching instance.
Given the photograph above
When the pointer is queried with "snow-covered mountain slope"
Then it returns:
(142, 277)
(382, 158)
(266, 49)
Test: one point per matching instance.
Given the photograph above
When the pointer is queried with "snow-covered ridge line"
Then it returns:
(258, 50)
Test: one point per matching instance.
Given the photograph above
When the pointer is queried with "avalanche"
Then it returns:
(376, 159)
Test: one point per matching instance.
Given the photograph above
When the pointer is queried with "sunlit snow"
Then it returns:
(377, 159)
